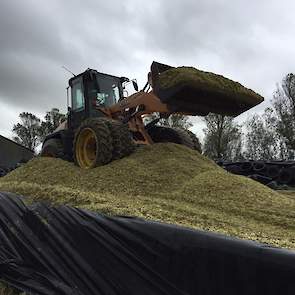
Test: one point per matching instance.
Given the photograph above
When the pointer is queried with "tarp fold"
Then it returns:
(64, 250)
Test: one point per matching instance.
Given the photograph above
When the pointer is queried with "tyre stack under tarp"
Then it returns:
(63, 250)
(3, 171)
(275, 174)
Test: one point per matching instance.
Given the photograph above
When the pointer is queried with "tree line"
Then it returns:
(266, 136)
(31, 131)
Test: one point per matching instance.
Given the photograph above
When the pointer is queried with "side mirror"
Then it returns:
(135, 85)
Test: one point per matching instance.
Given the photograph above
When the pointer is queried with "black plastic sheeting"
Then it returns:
(63, 250)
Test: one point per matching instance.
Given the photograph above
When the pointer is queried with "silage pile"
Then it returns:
(165, 182)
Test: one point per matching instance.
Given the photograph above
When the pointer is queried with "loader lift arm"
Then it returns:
(143, 103)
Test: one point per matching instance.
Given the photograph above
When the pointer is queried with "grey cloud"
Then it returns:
(27, 28)
(251, 42)
(36, 40)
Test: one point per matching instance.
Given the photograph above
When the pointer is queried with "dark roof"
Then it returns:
(7, 139)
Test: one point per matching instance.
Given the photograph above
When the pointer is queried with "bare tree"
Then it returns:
(272, 134)
(31, 131)
(262, 142)
(27, 132)
(174, 120)
(223, 138)
(284, 111)
(53, 118)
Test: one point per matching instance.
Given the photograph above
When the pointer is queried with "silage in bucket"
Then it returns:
(187, 89)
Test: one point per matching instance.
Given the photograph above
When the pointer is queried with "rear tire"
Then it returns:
(175, 135)
(93, 143)
(194, 139)
(52, 148)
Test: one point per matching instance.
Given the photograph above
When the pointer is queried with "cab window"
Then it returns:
(108, 92)
(78, 102)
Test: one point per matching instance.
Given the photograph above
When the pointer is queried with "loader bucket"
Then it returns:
(191, 91)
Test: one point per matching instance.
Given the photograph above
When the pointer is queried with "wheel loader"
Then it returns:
(103, 125)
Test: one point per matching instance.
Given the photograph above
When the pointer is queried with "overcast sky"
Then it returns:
(248, 41)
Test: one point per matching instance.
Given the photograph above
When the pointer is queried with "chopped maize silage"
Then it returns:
(288, 193)
(210, 83)
(165, 182)
(6, 290)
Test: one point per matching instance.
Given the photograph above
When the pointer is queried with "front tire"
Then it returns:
(93, 143)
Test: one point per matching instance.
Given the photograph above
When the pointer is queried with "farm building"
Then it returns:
(12, 153)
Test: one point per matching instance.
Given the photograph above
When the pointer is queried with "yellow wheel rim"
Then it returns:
(85, 148)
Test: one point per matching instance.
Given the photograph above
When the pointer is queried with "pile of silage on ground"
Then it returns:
(210, 83)
(165, 182)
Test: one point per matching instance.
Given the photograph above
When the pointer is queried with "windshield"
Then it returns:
(108, 92)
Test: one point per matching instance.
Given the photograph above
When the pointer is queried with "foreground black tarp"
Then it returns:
(46, 250)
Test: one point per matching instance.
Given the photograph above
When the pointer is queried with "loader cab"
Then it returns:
(91, 91)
